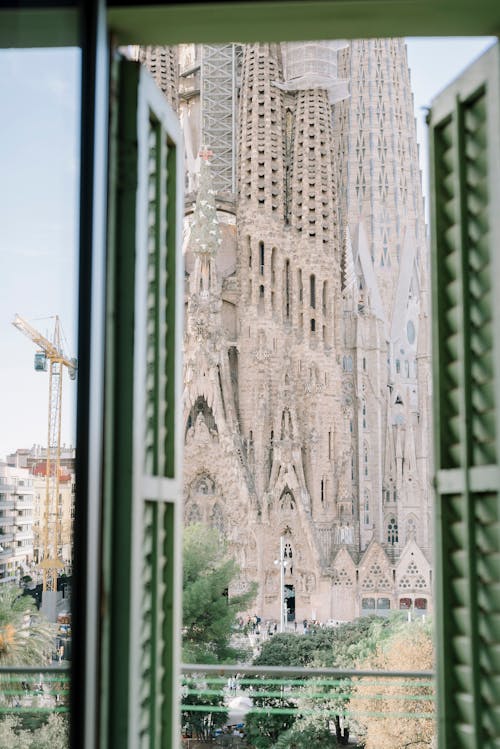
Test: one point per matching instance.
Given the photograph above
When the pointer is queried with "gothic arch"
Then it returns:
(411, 527)
(217, 519)
(287, 501)
(392, 530)
(193, 513)
(200, 411)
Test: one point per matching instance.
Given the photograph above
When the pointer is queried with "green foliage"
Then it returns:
(341, 647)
(311, 732)
(201, 724)
(25, 635)
(263, 730)
(53, 734)
(208, 614)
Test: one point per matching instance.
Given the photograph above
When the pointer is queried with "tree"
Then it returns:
(389, 715)
(310, 732)
(26, 637)
(53, 734)
(339, 647)
(201, 723)
(209, 614)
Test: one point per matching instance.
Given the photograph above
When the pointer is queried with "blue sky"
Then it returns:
(38, 212)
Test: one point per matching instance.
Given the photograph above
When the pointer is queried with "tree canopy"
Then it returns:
(345, 646)
(26, 637)
(209, 613)
(392, 712)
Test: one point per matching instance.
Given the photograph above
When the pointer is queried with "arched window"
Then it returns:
(201, 411)
(366, 509)
(349, 363)
(261, 258)
(411, 529)
(398, 366)
(250, 448)
(287, 289)
(364, 414)
(365, 459)
(392, 531)
(287, 502)
(312, 290)
(193, 514)
(217, 519)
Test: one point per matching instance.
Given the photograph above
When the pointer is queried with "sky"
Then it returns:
(38, 213)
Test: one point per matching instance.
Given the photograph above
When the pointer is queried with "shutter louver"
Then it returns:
(464, 128)
(144, 525)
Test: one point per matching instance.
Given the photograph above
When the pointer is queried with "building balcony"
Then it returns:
(23, 551)
(7, 488)
(24, 535)
(25, 502)
(6, 504)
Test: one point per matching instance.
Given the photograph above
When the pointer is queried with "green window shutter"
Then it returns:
(143, 460)
(465, 161)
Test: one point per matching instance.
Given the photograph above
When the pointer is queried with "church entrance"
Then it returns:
(290, 603)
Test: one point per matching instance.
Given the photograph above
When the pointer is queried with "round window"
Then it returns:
(410, 332)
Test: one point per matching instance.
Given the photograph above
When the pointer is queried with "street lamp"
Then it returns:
(282, 563)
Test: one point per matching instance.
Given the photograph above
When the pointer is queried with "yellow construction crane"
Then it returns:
(50, 356)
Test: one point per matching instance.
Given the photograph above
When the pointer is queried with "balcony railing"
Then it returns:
(344, 701)
(34, 690)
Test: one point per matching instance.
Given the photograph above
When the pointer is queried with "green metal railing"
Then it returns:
(353, 697)
(34, 690)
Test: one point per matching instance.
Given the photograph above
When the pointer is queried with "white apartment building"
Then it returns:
(16, 522)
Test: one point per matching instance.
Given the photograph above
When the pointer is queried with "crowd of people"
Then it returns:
(255, 626)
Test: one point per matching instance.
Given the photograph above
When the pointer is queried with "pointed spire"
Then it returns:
(348, 272)
(205, 236)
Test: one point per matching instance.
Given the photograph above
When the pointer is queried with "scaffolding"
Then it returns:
(218, 100)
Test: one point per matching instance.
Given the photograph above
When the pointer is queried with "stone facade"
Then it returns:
(307, 373)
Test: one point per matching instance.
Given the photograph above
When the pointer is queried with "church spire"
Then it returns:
(205, 239)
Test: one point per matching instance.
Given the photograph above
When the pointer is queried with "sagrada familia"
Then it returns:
(307, 363)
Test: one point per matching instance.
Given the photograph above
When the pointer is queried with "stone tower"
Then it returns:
(306, 343)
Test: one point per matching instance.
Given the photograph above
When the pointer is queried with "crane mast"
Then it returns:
(51, 352)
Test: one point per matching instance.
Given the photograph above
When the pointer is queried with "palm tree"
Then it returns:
(26, 637)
